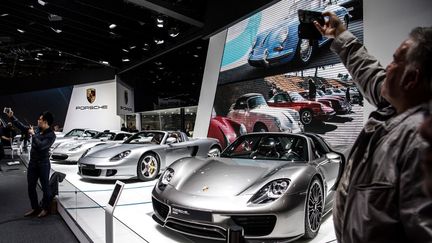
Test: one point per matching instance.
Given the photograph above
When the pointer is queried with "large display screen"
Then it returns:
(270, 79)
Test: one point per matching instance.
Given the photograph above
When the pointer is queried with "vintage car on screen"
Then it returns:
(276, 186)
(74, 134)
(281, 44)
(337, 103)
(72, 151)
(308, 110)
(252, 111)
(143, 155)
(225, 130)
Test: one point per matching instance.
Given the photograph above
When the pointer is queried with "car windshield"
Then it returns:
(256, 101)
(320, 93)
(285, 147)
(108, 135)
(75, 133)
(146, 138)
(296, 97)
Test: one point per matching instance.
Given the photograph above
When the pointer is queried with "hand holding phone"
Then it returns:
(306, 28)
(7, 110)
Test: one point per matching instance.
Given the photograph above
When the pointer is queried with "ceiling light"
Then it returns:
(54, 17)
(21, 59)
(42, 2)
(112, 26)
(104, 62)
(195, 55)
(125, 50)
(4, 15)
(146, 47)
(125, 60)
(199, 47)
(159, 20)
(60, 53)
(159, 42)
(158, 63)
(21, 31)
(58, 31)
(173, 32)
(37, 58)
(39, 54)
(132, 47)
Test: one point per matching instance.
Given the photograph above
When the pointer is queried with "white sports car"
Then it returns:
(72, 151)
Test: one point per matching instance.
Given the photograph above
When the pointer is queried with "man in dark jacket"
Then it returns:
(380, 197)
(39, 165)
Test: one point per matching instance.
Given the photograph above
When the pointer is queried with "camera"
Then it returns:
(306, 28)
(7, 110)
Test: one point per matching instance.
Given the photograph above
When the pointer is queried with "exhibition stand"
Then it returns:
(83, 203)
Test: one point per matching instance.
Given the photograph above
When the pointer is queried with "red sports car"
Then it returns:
(309, 110)
(225, 130)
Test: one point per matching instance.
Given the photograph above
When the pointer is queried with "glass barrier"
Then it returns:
(88, 212)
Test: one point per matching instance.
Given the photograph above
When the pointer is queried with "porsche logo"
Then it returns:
(91, 95)
(205, 188)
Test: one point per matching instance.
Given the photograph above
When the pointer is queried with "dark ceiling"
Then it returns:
(153, 44)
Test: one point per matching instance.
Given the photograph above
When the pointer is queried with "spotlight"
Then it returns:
(43, 3)
(58, 31)
(104, 62)
(125, 50)
(112, 26)
(159, 42)
(39, 54)
(132, 47)
(173, 32)
(146, 47)
(4, 15)
(21, 31)
(159, 22)
(125, 60)
(21, 59)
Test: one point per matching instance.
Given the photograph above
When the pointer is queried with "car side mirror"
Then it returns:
(333, 157)
(125, 138)
(171, 140)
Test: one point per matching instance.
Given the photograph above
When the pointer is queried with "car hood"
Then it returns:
(115, 149)
(232, 177)
(271, 111)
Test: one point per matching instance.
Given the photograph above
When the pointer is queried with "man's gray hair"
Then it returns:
(420, 53)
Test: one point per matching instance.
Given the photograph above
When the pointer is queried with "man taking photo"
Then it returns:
(39, 165)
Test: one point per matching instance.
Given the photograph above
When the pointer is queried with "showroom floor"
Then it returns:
(134, 210)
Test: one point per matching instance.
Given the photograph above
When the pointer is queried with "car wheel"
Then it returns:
(259, 127)
(314, 209)
(148, 167)
(305, 50)
(214, 152)
(306, 117)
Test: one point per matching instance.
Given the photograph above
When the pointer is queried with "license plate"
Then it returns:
(186, 213)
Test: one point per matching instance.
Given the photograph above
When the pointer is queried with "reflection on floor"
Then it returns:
(134, 210)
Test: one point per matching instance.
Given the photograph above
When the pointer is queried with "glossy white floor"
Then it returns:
(134, 210)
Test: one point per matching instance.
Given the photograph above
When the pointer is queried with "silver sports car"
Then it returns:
(276, 186)
(71, 151)
(143, 155)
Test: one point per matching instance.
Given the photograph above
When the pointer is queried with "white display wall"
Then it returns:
(97, 113)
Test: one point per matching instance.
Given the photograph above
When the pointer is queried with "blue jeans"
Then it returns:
(39, 170)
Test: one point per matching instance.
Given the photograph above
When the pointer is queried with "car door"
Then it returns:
(329, 166)
(177, 150)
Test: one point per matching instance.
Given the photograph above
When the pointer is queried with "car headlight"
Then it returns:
(271, 191)
(76, 148)
(121, 155)
(166, 178)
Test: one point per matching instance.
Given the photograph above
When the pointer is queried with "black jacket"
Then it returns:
(41, 142)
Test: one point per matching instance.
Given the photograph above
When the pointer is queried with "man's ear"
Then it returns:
(411, 79)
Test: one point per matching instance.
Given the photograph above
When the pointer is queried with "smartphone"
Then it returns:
(306, 28)
(7, 110)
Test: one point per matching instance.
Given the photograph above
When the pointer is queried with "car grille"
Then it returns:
(256, 225)
(90, 172)
(205, 231)
(160, 208)
(59, 156)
